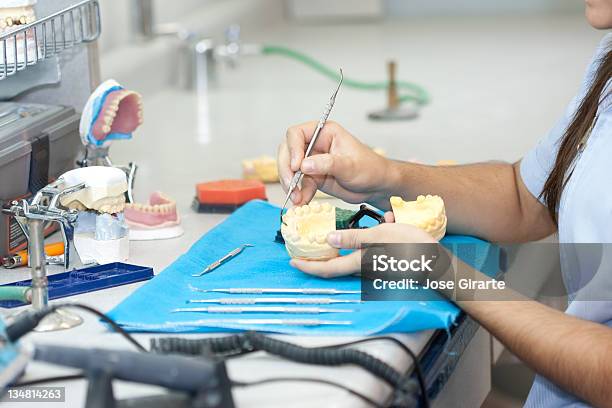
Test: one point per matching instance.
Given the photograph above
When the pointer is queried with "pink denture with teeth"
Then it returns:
(159, 213)
(120, 113)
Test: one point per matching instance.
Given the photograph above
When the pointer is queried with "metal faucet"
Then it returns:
(144, 26)
(199, 55)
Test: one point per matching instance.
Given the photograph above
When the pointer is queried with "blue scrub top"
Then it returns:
(585, 213)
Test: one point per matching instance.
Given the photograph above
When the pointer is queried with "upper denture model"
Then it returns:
(305, 231)
(111, 112)
(104, 192)
(427, 213)
(157, 220)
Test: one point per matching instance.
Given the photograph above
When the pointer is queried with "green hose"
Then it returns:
(417, 95)
(15, 293)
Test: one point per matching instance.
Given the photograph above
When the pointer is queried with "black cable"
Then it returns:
(313, 380)
(28, 321)
(248, 342)
(49, 379)
(417, 367)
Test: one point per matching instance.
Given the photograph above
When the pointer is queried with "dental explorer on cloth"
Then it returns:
(218, 263)
(297, 177)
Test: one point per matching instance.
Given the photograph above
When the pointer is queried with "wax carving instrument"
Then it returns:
(217, 322)
(262, 291)
(221, 261)
(297, 177)
(259, 309)
(254, 301)
(21, 257)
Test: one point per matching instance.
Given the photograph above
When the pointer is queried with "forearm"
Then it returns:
(575, 354)
(483, 200)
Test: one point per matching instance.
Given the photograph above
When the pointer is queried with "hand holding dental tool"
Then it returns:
(260, 309)
(260, 291)
(221, 261)
(297, 177)
(254, 301)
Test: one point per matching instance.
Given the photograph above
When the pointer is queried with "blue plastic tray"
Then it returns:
(89, 279)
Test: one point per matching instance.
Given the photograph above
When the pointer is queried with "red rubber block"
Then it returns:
(227, 195)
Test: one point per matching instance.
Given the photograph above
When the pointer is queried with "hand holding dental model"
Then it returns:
(336, 167)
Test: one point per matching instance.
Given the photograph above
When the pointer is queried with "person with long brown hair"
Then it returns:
(561, 185)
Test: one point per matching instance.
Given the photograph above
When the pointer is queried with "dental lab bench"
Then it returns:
(464, 373)
(201, 134)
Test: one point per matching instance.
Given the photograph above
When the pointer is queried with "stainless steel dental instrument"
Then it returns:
(297, 177)
(221, 261)
(261, 291)
(264, 300)
(276, 322)
(260, 309)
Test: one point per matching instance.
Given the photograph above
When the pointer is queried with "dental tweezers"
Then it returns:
(259, 309)
(261, 291)
(297, 177)
(221, 261)
(254, 301)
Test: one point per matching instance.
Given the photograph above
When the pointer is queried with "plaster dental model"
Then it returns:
(13, 14)
(446, 163)
(427, 213)
(262, 168)
(111, 112)
(305, 231)
(101, 234)
(105, 192)
(157, 220)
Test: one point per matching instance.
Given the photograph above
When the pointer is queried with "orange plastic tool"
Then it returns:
(21, 257)
(227, 195)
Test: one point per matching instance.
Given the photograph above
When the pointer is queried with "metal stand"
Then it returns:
(98, 156)
(394, 111)
(31, 219)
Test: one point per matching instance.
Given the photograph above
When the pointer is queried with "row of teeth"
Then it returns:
(10, 21)
(304, 210)
(433, 224)
(110, 205)
(113, 107)
(158, 208)
(311, 238)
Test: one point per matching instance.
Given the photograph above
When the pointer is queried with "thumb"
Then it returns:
(351, 238)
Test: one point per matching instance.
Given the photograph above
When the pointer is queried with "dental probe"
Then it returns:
(261, 291)
(254, 301)
(260, 309)
(297, 177)
(221, 261)
(287, 322)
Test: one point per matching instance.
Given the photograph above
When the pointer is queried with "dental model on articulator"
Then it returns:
(305, 231)
(101, 234)
(111, 113)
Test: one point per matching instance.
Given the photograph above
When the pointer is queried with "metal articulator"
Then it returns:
(31, 218)
(98, 156)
